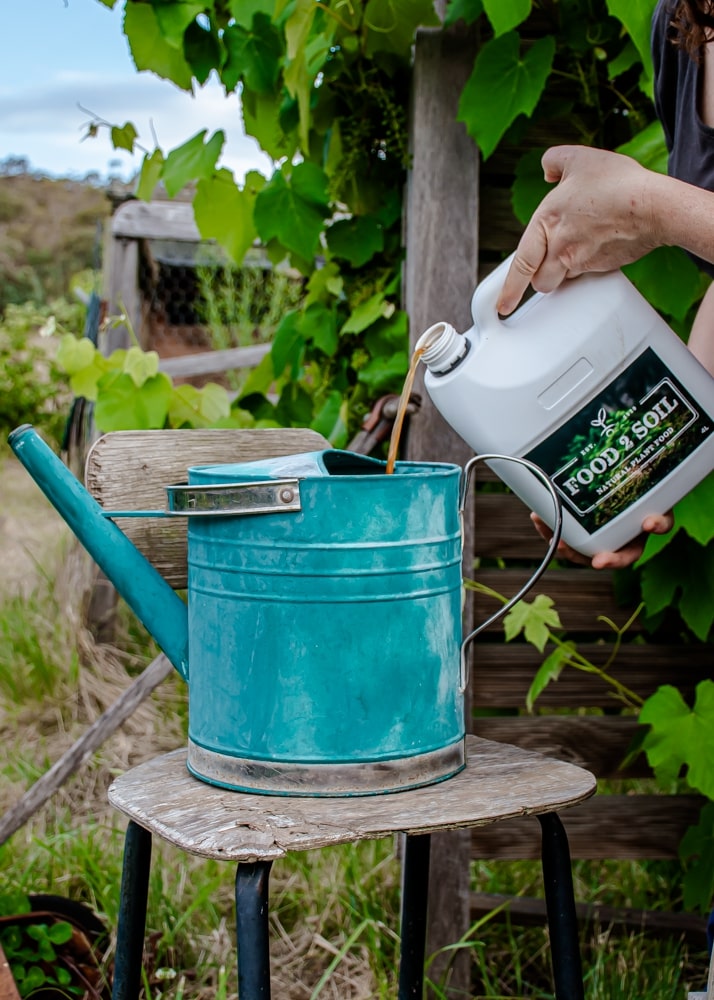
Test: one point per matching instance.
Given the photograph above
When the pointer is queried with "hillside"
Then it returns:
(49, 230)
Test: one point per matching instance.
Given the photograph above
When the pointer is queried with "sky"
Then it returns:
(58, 57)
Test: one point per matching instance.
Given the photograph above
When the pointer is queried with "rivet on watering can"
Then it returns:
(287, 495)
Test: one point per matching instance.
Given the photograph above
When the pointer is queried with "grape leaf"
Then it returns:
(365, 314)
(194, 160)
(288, 343)
(682, 575)
(149, 175)
(696, 851)
(668, 279)
(194, 407)
(636, 15)
(506, 14)
(319, 324)
(121, 407)
(536, 619)
(124, 137)
(384, 374)
(356, 240)
(648, 147)
(140, 365)
(252, 56)
(174, 17)
(293, 211)
(463, 10)
(502, 86)
(74, 353)
(331, 420)
(529, 186)
(244, 10)
(225, 213)
(549, 670)
(392, 24)
(150, 50)
(202, 50)
(681, 736)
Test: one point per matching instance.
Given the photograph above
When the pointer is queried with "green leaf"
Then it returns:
(262, 118)
(192, 407)
(695, 511)
(75, 354)
(150, 49)
(325, 284)
(365, 314)
(124, 137)
(60, 932)
(549, 670)
(536, 619)
(682, 575)
(463, 10)
(151, 168)
(122, 407)
(384, 374)
(293, 212)
(636, 15)
(259, 378)
(288, 343)
(140, 365)
(529, 186)
(391, 24)
(332, 418)
(243, 11)
(648, 147)
(668, 279)
(356, 240)
(174, 17)
(502, 86)
(194, 160)
(252, 56)
(627, 58)
(202, 50)
(319, 325)
(696, 851)
(505, 15)
(680, 736)
(225, 213)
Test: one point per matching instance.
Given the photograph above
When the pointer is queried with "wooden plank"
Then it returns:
(122, 295)
(214, 362)
(623, 827)
(598, 743)
(441, 238)
(501, 674)
(498, 782)
(161, 220)
(129, 470)
(503, 528)
(581, 595)
(527, 911)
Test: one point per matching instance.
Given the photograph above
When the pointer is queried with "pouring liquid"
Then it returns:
(402, 408)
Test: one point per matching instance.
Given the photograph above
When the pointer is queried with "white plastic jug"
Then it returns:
(588, 382)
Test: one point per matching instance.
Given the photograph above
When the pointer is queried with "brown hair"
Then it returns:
(690, 20)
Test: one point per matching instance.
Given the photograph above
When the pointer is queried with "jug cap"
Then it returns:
(442, 348)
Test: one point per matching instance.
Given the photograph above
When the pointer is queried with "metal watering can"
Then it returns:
(321, 639)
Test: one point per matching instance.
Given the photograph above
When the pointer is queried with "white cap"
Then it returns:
(441, 347)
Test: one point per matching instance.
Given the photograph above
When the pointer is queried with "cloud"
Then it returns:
(46, 122)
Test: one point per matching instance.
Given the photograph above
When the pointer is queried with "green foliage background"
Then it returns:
(324, 86)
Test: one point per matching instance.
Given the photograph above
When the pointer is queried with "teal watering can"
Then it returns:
(321, 637)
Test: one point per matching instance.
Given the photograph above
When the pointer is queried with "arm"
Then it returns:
(606, 211)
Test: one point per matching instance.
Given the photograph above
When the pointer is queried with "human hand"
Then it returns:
(596, 219)
(655, 524)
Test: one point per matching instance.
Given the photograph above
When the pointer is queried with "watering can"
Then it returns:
(321, 637)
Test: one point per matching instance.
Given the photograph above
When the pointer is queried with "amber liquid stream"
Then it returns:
(402, 409)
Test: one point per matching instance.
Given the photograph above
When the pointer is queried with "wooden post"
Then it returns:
(440, 275)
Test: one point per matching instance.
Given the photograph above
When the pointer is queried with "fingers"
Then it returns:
(656, 524)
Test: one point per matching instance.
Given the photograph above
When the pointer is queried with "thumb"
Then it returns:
(554, 162)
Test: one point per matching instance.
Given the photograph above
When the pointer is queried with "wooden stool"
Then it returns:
(499, 782)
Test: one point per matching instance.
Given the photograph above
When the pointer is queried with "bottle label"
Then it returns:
(623, 443)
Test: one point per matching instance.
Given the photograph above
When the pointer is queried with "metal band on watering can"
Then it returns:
(229, 499)
(552, 546)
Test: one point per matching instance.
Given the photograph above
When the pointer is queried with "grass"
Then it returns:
(334, 912)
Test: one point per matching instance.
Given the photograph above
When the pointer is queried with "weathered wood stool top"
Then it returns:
(498, 782)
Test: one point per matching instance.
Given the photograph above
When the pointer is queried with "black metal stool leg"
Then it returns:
(252, 929)
(132, 913)
(415, 889)
(560, 904)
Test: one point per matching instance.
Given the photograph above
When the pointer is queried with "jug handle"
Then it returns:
(552, 545)
(485, 297)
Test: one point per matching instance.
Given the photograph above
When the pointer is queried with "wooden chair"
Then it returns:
(129, 470)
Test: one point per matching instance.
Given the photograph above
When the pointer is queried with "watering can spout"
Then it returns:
(142, 587)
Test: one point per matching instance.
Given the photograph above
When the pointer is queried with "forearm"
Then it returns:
(701, 337)
(679, 214)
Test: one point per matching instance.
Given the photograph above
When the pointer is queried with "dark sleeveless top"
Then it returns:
(690, 143)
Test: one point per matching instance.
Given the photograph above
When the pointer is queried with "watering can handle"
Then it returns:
(552, 545)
